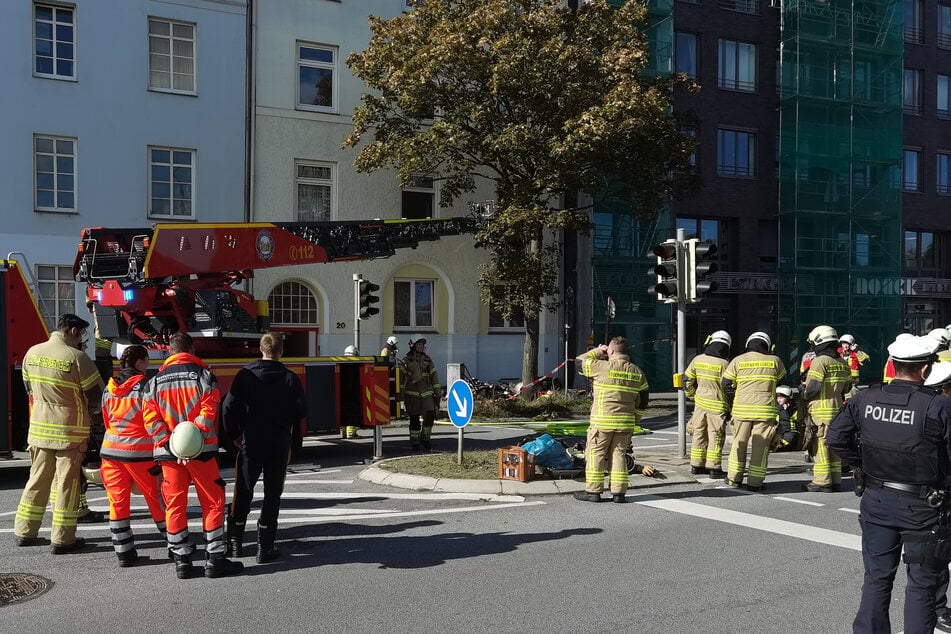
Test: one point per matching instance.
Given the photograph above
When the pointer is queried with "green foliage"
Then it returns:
(551, 407)
(476, 465)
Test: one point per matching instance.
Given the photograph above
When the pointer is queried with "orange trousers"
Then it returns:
(211, 496)
(117, 478)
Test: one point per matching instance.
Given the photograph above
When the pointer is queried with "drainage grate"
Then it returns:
(16, 587)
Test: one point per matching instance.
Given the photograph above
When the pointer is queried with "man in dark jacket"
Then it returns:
(266, 400)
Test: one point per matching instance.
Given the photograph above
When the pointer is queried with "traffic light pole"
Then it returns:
(357, 277)
(681, 363)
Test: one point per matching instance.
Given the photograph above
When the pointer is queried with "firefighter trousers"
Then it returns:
(827, 466)
(210, 489)
(706, 445)
(118, 478)
(421, 431)
(600, 444)
(248, 469)
(59, 470)
(753, 436)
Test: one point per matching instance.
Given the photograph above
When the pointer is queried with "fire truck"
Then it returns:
(144, 285)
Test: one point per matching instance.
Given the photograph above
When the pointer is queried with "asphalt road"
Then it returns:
(365, 558)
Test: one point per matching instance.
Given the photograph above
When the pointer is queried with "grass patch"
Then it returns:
(476, 465)
(554, 406)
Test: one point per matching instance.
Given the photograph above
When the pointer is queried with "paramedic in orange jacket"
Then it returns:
(186, 390)
(127, 453)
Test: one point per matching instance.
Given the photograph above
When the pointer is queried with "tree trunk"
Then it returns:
(530, 354)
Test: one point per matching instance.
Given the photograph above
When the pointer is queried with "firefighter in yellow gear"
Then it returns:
(421, 392)
(702, 383)
(754, 375)
(620, 397)
(828, 381)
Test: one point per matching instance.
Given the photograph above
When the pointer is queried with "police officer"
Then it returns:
(940, 379)
(702, 383)
(905, 430)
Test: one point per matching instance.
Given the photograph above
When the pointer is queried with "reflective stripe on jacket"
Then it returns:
(184, 389)
(618, 384)
(755, 376)
(126, 439)
(703, 382)
(836, 379)
(56, 375)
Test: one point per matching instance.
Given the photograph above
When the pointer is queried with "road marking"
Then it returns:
(856, 511)
(797, 501)
(640, 446)
(311, 482)
(310, 471)
(483, 497)
(757, 522)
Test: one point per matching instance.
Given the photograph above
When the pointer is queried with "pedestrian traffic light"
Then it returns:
(699, 269)
(668, 271)
(367, 299)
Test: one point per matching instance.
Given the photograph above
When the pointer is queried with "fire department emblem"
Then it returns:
(264, 245)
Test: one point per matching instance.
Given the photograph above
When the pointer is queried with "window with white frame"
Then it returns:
(413, 304)
(497, 320)
(316, 77)
(171, 182)
(737, 66)
(736, 153)
(418, 198)
(315, 191)
(57, 292)
(54, 41)
(54, 161)
(293, 304)
(171, 56)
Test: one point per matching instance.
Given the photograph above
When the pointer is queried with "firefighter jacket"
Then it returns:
(421, 388)
(183, 389)
(905, 431)
(834, 378)
(755, 376)
(266, 400)
(126, 439)
(57, 376)
(703, 382)
(620, 391)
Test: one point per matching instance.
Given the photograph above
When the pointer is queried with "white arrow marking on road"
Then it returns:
(462, 405)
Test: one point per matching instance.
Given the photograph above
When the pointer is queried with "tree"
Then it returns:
(540, 99)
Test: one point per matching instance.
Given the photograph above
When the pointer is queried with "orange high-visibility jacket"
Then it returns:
(126, 439)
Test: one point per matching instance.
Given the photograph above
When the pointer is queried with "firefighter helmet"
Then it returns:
(392, 341)
(762, 336)
(186, 441)
(847, 338)
(822, 334)
(720, 336)
(351, 351)
(785, 390)
(940, 335)
(414, 339)
(93, 474)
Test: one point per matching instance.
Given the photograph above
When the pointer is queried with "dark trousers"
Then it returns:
(889, 520)
(248, 468)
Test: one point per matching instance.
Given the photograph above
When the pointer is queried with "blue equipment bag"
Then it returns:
(549, 452)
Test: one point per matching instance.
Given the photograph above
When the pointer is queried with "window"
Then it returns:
(497, 321)
(316, 77)
(911, 93)
(54, 160)
(944, 26)
(920, 257)
(944, 97)
(413, 303)
(171, 179)
(171, 56)
(737, 66)
(54, 41)
(57, 292)
(315, 192)
(418, 198)
(741, 6)
(685, 55)
(944, 173)
(736, 153)
(707, 230)
(292, 304)
(911, 181)
(913, 32)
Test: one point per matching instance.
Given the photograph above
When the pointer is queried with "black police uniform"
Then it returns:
(905, 430)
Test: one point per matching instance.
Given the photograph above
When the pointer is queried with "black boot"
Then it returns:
(235, 545)
(267, 551)
(183, 566)
(217, 565)
(128, 558)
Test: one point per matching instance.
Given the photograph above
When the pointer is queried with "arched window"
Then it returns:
(292, 304)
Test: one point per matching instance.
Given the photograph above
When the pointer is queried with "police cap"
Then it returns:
(940, 375)
(913, 349)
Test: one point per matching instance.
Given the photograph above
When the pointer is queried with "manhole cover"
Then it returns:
(16, 587)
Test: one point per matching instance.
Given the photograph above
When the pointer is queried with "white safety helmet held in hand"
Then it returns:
(785, 390)
(762, 336)
(186, 441)
(351, 351)
(847, 338)
(940, 375)
(414, 339)
(94, 476)
(721, 336)
(822, 334)
(940, 335)
(392, 341)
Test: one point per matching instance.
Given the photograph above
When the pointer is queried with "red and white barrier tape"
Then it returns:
(539, 380)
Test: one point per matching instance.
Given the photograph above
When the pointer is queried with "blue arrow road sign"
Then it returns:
(459, 401)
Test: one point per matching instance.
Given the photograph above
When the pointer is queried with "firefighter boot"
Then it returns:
(128, 558)
(217, 565)
(183, 566)
(267, 551)
(235, 546)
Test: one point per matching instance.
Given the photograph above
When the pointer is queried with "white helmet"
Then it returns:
(822, 334)
(721, 336)
(785, 390)
(414, 339)
(392, 341)
(186, 440)
(940, 375)
(940, 335)
(94, 476)
(847, 338)
(762, 336)
(351, 351)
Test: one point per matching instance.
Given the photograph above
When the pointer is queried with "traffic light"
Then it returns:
(699, 269)
(668, 271)
(367, 299)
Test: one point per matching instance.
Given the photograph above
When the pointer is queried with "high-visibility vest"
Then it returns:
(125, 439)
(755, 376)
